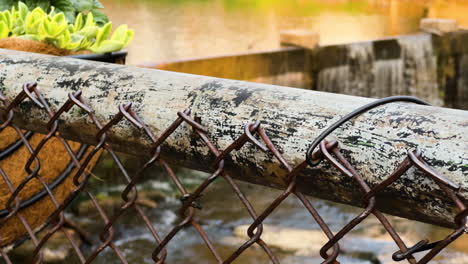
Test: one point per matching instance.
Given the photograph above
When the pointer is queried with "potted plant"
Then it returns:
(77, 29)
(63, 28)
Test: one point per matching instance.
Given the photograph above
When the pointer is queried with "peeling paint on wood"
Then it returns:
(375, 142)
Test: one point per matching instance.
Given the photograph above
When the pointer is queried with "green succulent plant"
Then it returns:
(54, 28)
(70, 8)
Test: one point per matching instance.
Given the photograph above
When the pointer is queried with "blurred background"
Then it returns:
(167, 30)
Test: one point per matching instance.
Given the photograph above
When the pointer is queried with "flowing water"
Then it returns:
(411, 71)
(168, 30)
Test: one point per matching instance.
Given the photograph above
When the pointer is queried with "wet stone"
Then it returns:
(57, 250)
(304, 244)
(112, 204)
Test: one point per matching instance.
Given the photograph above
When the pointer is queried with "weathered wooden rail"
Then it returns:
(375, 142)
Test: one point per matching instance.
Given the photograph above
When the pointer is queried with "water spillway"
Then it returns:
(397, 66)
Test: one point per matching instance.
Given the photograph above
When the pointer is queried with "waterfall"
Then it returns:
(330, 79)
(420, 68)
(402, 66)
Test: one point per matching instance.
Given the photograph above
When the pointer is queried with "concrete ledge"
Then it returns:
(438, 26)
(300, 38)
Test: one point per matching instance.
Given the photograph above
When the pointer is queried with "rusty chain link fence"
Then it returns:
(254, 134)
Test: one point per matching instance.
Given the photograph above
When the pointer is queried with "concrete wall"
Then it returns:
(453, 68)
(282, 67)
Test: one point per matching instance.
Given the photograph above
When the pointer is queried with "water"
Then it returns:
(168, 30)
(412, 71)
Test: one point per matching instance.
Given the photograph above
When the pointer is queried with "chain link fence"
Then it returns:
(19, 221)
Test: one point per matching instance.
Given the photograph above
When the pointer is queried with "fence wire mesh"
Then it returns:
(15, 225)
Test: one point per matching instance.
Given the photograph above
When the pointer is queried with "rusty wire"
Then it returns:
(253, 133)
